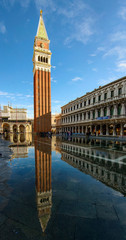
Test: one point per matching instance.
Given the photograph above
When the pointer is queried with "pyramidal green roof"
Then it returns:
(41, 31)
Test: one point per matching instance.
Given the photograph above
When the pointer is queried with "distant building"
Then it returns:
(14, 120)
(58, 124)
(100, 112)
(53, 123)
(42, 80)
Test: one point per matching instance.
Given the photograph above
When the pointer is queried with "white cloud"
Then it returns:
(101, 49)
(93, 55)
(77, 79)
(56, 109)
(24, 3)
(118, 51)
(2, 28)
(94, 69)
(89, 61)
(29, 96)
(3, 93)
(102, 82)
(54, 67)
(45, 4)
(55, 101)
(118, 36)
(122, 13)
(82, 32)
(19, 94)
(121, 66)
(73, 9)
(10, 3)
(52, 80)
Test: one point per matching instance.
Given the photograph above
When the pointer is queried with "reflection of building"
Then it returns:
(43, 180)
(19, 144)
(42, 80)
(56, 144)
(15, 120)
(107, 166)
(100, 112)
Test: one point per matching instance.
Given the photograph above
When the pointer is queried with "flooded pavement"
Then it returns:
(62, 188)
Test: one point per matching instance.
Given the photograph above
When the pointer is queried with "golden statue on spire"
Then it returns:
(41, 12)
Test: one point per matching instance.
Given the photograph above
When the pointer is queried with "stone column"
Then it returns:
(95, 129)
(82, 116)
(11, 128)
(107, 129)
(123, 110)
(96, 113)
(102, 112)
(114, 130)
(78, 129)
(18, 138)
(122, 129)
(115, 110)
(18, 130)
(85, 129)
(91, 115)
(86, 115)
(108, 111)
(101, 133)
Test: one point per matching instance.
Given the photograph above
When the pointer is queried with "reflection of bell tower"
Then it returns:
(42, 80)
(43, 180)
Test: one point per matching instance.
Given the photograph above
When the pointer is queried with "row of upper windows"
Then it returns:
(94, 100)
(42, 59)
(78, 117)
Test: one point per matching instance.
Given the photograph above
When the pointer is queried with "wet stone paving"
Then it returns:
(59, 188)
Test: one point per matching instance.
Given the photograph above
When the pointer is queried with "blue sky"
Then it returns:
(87, 40)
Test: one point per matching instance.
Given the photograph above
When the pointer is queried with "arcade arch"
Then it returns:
(6, 127)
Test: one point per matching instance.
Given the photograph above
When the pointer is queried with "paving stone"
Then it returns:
(106, 212)
(3, 218)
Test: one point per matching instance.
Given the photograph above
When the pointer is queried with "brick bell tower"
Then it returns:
(42, 80)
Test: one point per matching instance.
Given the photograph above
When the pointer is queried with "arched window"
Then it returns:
(41, 59)
(46, 60)
(38, 58)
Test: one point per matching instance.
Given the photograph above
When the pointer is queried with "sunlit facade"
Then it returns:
(100, 112)
(14, 120)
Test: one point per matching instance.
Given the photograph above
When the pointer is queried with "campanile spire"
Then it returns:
(42, 79)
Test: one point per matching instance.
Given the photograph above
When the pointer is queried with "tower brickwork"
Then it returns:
(42, 80)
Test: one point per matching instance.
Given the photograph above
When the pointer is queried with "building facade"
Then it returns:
(14, 120)
(100, 112)
(42, 80)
